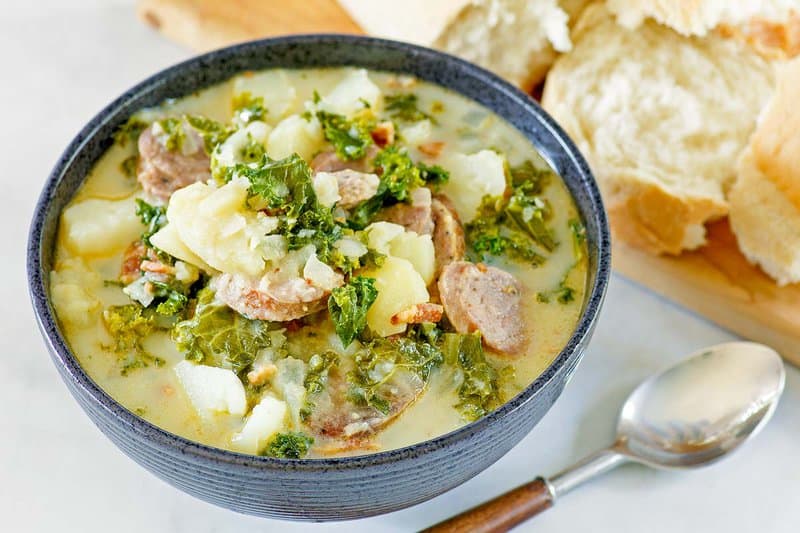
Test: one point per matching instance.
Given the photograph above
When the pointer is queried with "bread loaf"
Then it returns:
(517, 39)
(661, 118)
(765, 202)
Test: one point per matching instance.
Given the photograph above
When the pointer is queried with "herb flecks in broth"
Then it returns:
(276, 278)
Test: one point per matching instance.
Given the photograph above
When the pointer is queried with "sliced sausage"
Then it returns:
(334, 417)
(485, 299)
(283, 302)
(415, 216)
(330, 162)
(355, 186)
(448, 234)
(162, 172)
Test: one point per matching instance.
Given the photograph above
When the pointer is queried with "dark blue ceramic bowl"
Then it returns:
(319, 489)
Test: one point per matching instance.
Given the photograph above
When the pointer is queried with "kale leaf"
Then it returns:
(171, 297)
(398, 177)
(128, 325)
(350, 138)
(291, 445)
(433, 174)
(348, 307)
(405, 107)
(378, 362)
(170, 133)
(319, 366)
(515, 226)
(154, 217)
(129, 166)
(282, 185)
(219, 336)
(247, 108)
(480, 390)
(578, 238)
(130, 131)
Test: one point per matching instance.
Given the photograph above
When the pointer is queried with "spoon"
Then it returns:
(688, 416)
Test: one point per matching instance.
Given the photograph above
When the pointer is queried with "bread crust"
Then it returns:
(649, 217)
(776, 142)
(766, 223)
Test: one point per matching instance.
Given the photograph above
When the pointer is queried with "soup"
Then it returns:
(316, 263)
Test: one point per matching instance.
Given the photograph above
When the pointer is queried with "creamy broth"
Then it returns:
(94, 238)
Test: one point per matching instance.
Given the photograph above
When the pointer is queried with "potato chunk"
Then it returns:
(97, 227)
(72, 287)
(295, 134)
(417, 250)
(351, 94)
(168, 240)
(211, 389)
(215, 226)
(266, 419)
(471, 178)
(392, 239)
(399, 287)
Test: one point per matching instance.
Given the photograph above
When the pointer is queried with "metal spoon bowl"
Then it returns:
(689, 415)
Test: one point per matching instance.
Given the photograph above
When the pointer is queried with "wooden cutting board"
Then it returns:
(716, 281)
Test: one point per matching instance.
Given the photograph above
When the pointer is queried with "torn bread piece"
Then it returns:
(486, 32)
(699, 17)
(765, 202)
(644, 106)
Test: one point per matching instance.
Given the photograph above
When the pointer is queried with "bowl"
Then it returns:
(336, 488)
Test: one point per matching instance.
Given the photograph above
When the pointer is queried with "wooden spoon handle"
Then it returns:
(501, 513)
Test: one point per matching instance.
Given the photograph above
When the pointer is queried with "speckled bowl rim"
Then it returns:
(571, 351)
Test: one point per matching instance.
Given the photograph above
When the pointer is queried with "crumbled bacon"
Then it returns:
(432, 149)
(418, 314)
(383, 134)
(262, 374)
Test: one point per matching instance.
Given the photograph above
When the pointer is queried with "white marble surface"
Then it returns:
(61, 63)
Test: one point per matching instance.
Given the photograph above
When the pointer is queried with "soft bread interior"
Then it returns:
(646, 107)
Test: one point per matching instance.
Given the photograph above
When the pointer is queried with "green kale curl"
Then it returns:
(481, 386)
(350, 138)
(219, 336)
(348, 306)
(291, 445)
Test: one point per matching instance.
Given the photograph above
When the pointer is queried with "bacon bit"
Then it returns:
(383, 134)
(156, 267)
(432, 149)
(418, 314)
(130, 270)
(261, 375)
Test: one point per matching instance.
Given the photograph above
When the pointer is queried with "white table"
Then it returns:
(60, 65)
